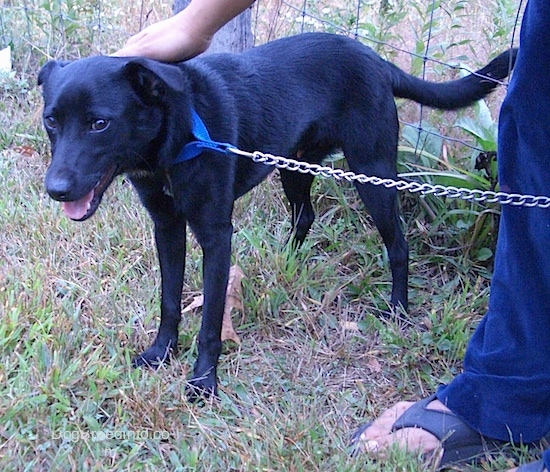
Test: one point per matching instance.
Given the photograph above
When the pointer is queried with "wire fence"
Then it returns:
(437, 53)
(433, 39)
(67, 28)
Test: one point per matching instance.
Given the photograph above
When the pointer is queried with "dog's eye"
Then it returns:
(99, 125)
(50, 122)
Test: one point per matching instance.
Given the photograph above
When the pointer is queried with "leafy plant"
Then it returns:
(471, 226)
(484, 130)
(78, 300)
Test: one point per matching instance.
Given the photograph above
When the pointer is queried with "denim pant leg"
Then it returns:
(504, 391)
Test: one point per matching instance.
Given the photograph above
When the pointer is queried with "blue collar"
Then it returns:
(203, 141)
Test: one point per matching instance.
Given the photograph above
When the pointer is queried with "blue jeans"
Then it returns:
(504, 391)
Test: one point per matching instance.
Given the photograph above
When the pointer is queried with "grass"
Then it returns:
(77, 301)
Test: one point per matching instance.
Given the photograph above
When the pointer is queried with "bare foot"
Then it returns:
(379, 435)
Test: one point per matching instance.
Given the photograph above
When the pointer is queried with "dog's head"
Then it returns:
(104, 116)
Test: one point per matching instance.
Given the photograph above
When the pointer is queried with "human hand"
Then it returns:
(170, 40)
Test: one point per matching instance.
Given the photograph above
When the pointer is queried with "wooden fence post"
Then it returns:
(235, 36)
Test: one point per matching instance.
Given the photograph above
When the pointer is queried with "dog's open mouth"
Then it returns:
(82, 209)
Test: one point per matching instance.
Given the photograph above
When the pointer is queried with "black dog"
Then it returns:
(304, 96)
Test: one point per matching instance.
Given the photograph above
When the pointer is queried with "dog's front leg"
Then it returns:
(170, 230)
(171, 254)
(215, 240)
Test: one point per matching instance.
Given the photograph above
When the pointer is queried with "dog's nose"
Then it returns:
(58, 187)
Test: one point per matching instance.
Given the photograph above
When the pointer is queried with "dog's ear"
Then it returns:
(151, 79)
(47, 69)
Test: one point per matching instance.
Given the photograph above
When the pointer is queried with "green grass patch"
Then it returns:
(77, 301)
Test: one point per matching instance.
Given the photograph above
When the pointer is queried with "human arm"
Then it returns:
(186, 34)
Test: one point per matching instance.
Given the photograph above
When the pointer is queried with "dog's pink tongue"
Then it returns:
(77, 210)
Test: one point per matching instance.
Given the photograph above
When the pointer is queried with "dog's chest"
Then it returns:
(145, 174)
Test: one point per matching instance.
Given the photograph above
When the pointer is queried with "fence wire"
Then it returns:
(63, 28)
(311, 21)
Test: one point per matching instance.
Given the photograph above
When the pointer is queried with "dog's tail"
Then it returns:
(457, 93)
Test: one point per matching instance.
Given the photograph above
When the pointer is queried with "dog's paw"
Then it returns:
(153, 358)
(202, 387)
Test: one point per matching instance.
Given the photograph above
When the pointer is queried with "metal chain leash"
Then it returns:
(473, 195)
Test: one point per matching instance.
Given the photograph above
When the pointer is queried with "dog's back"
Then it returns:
(307, 84)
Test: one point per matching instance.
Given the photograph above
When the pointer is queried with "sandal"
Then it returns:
(459, 442)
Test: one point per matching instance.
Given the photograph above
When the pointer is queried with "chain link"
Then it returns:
(474, 195)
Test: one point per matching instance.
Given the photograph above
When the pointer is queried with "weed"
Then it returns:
(77, 301)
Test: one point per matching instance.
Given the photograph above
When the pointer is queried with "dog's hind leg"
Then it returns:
(170, 230)
(382, 205)
(297, 187)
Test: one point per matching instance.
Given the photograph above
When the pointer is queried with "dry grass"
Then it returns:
(78, 300)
